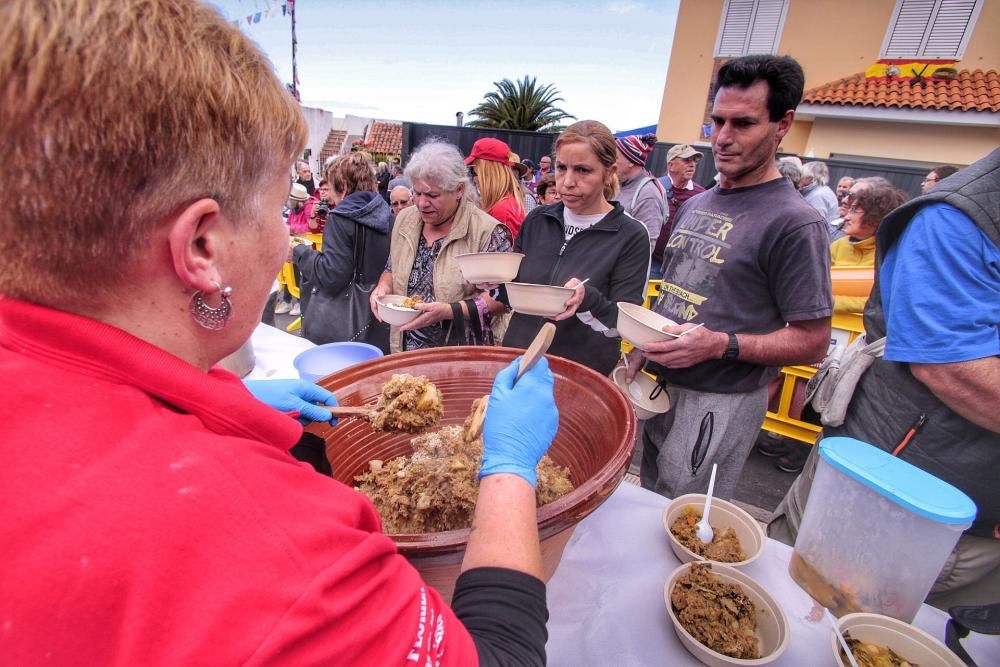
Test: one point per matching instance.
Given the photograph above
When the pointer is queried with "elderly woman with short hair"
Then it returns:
(426, 239)
(867, 202)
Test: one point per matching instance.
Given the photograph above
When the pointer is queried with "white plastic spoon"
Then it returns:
(705, 533)
(843, 642)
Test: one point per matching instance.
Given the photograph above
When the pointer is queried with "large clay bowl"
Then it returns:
(596, 430)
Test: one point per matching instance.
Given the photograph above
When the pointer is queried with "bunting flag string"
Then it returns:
(270, 11)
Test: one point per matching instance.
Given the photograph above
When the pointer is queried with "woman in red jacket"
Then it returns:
(152, 513)
(500, 194)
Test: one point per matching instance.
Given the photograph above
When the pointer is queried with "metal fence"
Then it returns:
(533, 145)
(527, 145)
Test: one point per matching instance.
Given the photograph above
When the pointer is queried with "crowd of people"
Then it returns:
(171, 524)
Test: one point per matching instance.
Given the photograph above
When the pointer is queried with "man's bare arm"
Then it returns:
(970, 388)
(804, 342)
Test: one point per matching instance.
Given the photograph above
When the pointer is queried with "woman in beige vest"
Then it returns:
(426, 238)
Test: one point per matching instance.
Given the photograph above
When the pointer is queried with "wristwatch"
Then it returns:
(732, 352)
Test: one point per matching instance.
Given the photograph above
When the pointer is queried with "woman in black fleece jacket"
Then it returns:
(585, 236)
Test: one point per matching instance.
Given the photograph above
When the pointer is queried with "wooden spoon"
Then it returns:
(537, 349)
(539, 346)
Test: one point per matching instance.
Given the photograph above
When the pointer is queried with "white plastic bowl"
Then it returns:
(391, 310)
(722, 515)
(641, 326)
(772, 626)
(910, 643)
(541, 300)
(638, 392)
(489, 267)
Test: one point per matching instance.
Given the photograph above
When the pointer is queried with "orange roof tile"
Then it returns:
(969, 91)
(384, 137)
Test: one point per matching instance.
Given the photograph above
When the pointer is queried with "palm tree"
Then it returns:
(521, 105)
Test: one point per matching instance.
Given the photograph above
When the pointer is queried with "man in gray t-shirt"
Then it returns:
(750, 261)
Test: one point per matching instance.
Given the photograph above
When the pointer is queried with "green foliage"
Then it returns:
(520, 105)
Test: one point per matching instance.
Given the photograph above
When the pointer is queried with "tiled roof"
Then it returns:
(969, 91)
(385, 137)
(334, 142)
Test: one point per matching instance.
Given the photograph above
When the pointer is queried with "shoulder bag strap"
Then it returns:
(359, 252)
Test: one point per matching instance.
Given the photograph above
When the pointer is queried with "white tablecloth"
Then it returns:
(606, 602)
(273, 351)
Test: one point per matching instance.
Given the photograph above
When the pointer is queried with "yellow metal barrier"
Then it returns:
(784, 418)
(286, 277)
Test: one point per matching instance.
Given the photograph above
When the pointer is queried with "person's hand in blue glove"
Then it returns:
(295, 398)
(521, 421)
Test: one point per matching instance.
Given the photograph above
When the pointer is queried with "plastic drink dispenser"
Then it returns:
(876, 531)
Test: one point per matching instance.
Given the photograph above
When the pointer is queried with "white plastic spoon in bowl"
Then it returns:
(705, 533)
(843, 642)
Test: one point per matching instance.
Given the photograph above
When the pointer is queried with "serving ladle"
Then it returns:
(705, 533)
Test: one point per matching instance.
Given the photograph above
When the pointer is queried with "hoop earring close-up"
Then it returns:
(207, 316)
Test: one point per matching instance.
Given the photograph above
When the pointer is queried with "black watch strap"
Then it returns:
(732, 352)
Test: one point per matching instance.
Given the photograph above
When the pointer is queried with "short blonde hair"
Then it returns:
(497, 181)
(124, 112)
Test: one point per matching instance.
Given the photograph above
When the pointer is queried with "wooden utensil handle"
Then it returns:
(537, 349)
(349, 411)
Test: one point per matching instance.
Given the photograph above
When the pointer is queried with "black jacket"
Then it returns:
(331, 270)
(614, 254)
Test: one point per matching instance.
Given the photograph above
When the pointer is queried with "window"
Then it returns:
(750, 26)
(930, 29)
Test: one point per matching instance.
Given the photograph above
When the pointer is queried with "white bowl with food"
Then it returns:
(755, 626)
(639, 391)
(876, 635)
(489, 267)
(735, 532)
(641, 326)
(540, 300)
(392, 310)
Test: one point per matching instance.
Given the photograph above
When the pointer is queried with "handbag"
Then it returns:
(346, 316)
(831, 388)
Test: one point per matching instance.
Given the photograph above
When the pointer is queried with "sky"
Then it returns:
(424, 60)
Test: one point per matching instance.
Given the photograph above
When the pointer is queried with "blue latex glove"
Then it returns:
(295, 398)
(521, 421)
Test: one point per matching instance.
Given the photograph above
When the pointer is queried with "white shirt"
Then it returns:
(574, 224)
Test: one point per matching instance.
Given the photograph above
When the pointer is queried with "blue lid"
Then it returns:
(903, 483)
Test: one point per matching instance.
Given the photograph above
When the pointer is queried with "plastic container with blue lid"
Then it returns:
(876, 531)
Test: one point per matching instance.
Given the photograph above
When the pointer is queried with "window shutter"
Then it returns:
(906, 33)
(735, 27)
(766, 26)
(947, 33)
(930, 28)
(750, 26)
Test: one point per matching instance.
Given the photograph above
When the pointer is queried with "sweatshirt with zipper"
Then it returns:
(614, 254)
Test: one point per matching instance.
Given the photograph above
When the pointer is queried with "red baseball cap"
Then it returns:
(490, 149)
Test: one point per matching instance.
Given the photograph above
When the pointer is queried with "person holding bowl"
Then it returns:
(586, 236)
(426, 239)
(152, 512)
